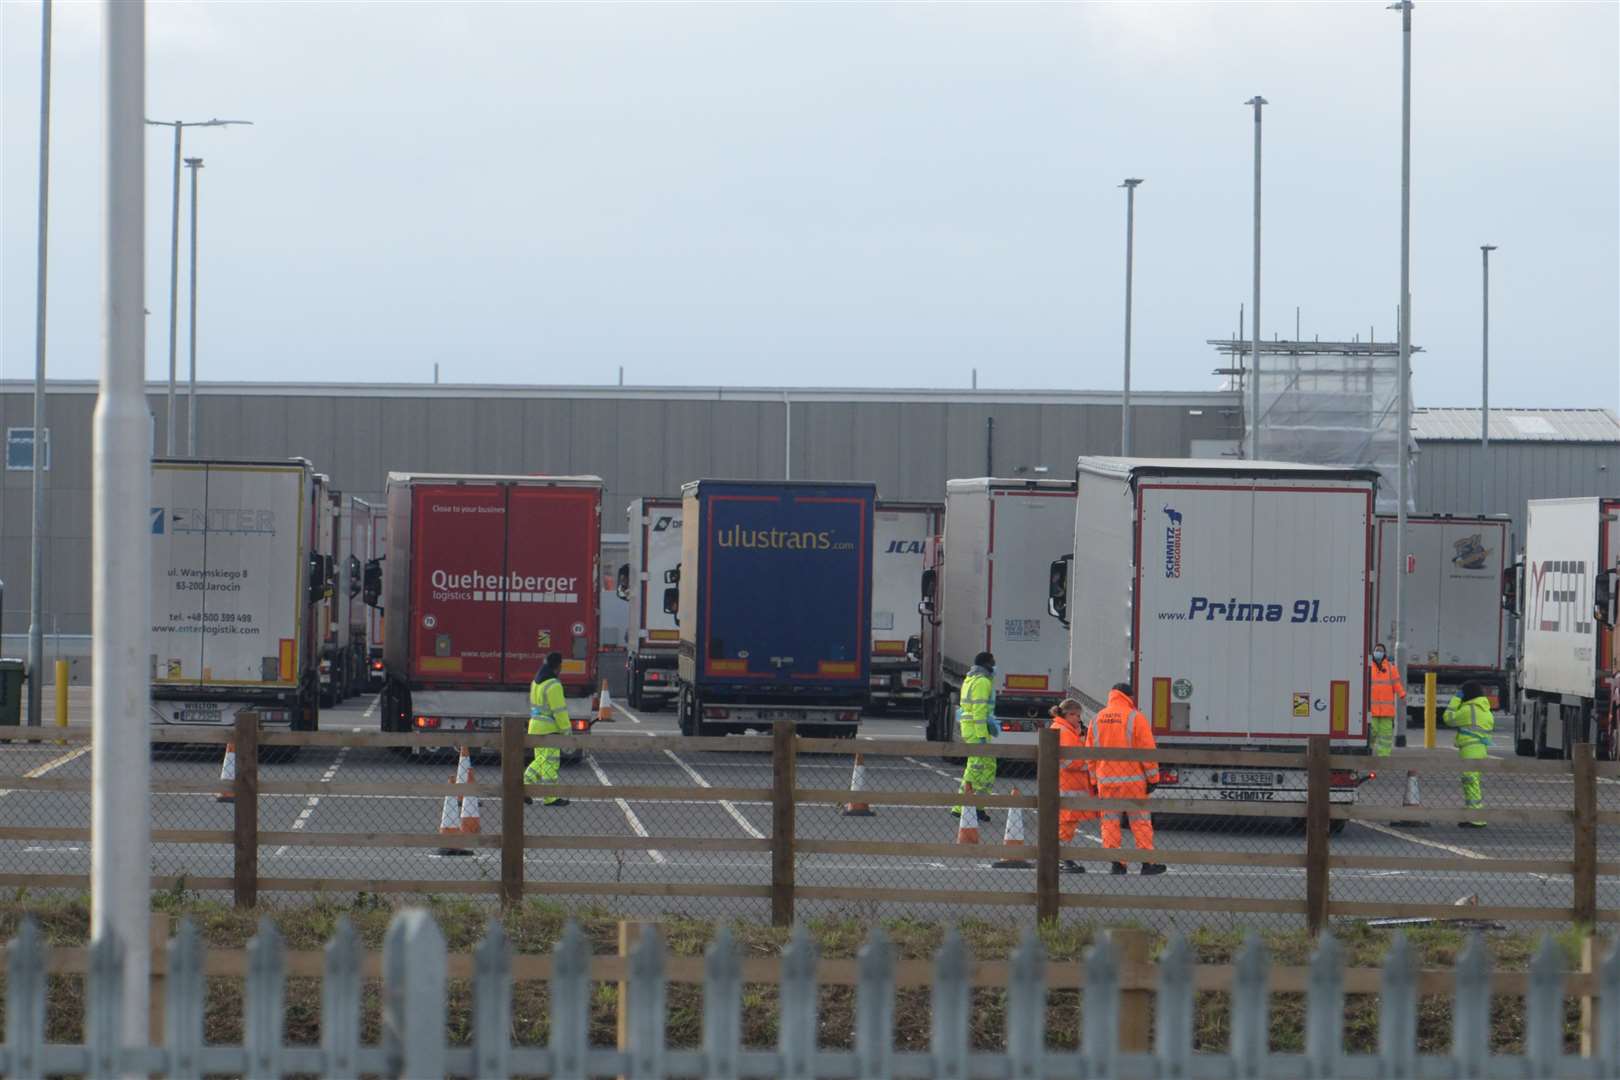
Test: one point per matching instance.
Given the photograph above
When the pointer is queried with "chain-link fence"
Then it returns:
(656, 825)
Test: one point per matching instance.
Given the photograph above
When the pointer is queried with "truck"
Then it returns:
(773, 603)
(238, 589)
(371, 593)
(486, 576)
(354, 527)
(1235, 598)
(901, 533)
(328, 542)
(1454, 628)
(1001, 536)
(1566, 593)
(651, 636)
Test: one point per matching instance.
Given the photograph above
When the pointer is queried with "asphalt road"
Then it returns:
(750, 820)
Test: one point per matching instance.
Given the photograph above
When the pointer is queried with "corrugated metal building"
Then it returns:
(1533, 454)
(640, 440)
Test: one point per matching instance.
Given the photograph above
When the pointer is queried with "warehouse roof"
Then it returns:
(1518, 425)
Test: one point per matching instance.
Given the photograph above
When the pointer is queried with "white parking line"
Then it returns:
(624, 808)
(934, 769)
(1466, 853)
(54, 763)
(371, 710)
(315, 800)
(736, 815)
(634, 719)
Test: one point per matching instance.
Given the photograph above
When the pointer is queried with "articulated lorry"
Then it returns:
(239, 591)
(651, 636)
(1235, 598)
(1569, 686)
(773, 602)
(1001, 537)
(901, 536)
(1454, 628)
(352, 657)
(372, 596)
(486, 575)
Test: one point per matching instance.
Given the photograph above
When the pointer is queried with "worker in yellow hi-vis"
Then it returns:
(1470, 715)
(548, 715)
(976, 723)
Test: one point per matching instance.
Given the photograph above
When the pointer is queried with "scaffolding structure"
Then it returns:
(1324, 403)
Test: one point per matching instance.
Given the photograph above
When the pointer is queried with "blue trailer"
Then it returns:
(774, 602)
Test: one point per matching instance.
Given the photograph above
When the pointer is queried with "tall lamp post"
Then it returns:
(1130, 186)
(1254, 358)
(174, 258)
(1485, 374)
(195, 165)
(36, 551)
(1403, 433)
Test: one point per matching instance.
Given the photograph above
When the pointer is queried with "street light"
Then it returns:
(194, 164)
(36, 549)
(1130, 249)
(1254, 360)
(1485, 373)
(1403, 431)
(174, 256)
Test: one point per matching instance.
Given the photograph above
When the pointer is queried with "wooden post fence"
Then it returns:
(784, 776)
(1318, 803)
(1047, 768)
(513, 730)
(1585, 869)
(245, 840)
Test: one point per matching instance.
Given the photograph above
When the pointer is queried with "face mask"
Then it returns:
(1378, 654)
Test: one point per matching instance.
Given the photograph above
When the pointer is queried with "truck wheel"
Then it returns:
(1336, 827)
(683, 712)
(633, 686)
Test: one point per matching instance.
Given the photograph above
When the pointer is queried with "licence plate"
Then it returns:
(1249, 779)
(1248, 796)
(489, 723)
(198, 714)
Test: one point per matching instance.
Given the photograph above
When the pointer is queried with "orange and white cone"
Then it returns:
(1411, 798)
(967, 832)
(450, 812)
(227, 776)
(470, 822)
(857, 782)
(1013, 836)
(604, 705)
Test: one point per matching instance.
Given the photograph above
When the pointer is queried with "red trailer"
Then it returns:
(486, 575)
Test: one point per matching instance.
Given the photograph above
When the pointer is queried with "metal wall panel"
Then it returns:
(1447, 476)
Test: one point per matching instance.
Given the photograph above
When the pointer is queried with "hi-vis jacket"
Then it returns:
(1120, 726)
(1384, 687)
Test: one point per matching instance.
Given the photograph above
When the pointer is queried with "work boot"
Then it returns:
(528, 800)
(1470, 824)
(1069, 866)
(1151, 868)
(1119, 868)
(559, 801)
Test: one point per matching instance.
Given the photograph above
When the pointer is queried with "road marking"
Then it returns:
(371, 710)
(626, 710)
(1466, 853)
(54, 763)
(736, 815)
(315, 800)
(934, 769)
(624, 808)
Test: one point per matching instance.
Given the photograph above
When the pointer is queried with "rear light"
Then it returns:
(655, 676)
(849, 716)
(912, 681)
(1348, 778)
(581, 724)
(880, 681)
(1168, 776)
(326, 667)
(425, 722)
(274, 716)
(711, 712)
(376, 665)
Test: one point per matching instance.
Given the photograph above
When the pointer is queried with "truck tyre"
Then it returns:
(632, 680)
(683, 712)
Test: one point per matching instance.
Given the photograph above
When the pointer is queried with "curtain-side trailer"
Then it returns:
(486, 576)
(901, 534)
(237, 587)
(1235, 598)
(651, 636)
(1000, 538)
(1570, 670)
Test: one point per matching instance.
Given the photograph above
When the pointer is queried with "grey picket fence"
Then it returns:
(413, 1044)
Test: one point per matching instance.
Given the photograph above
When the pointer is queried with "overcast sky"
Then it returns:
(839, 194)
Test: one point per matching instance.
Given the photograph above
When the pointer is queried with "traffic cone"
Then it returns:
(450, 812)
(1411, 798)
(967, 832)
(604, 705)
(469, 803)
(857, 782)
(1013, 836)
(227, 776)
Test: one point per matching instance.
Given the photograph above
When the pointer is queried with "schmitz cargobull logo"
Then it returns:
(1172, 542)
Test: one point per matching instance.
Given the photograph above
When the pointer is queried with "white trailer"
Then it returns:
(901, 533)
(1454, 625)
(652, 637)
(1570, 680)
(235, 581)
(1235, 598)
(1000, 538)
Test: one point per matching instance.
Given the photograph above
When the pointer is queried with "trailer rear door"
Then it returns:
(552, 601)
(458, 557)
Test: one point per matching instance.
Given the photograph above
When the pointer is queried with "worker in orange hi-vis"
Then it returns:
(1074, 778)
(1120, 726)
(1384, 688)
